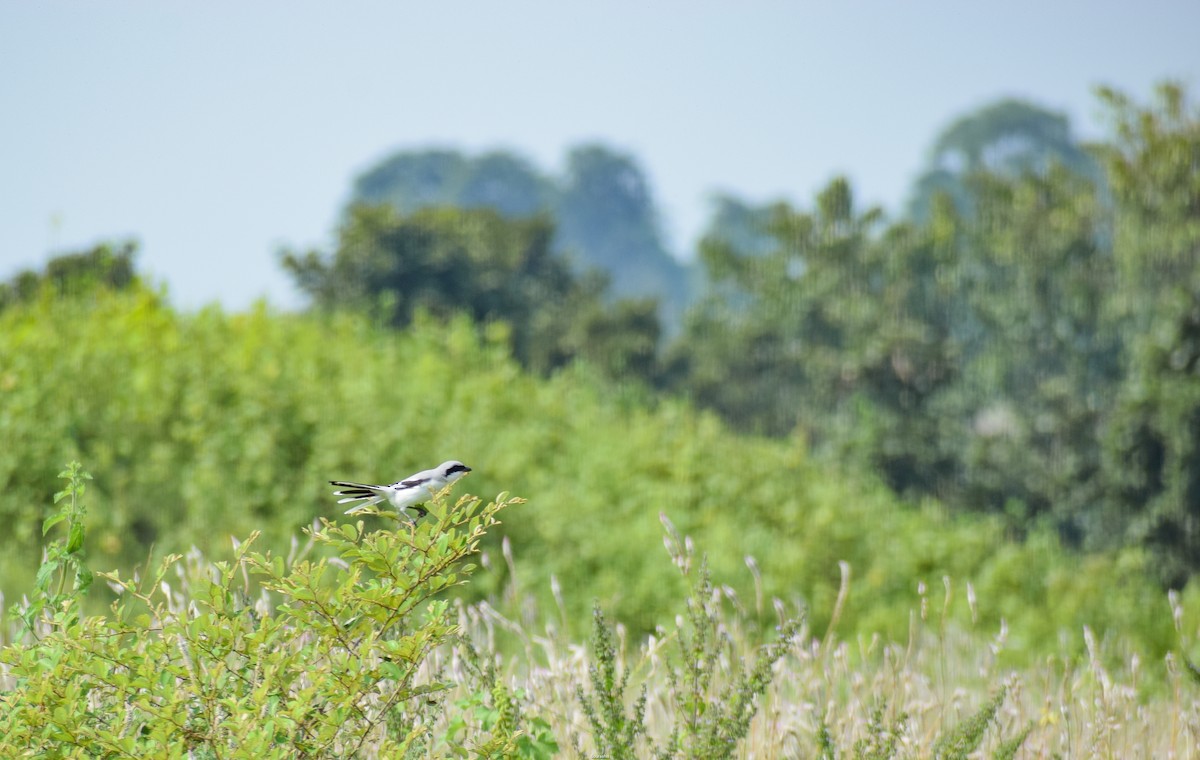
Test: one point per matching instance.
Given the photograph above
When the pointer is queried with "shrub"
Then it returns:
(268, 657)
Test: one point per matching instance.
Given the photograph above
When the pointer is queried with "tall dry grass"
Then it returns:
(866, 697)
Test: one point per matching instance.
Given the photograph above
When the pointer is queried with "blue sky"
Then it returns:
(215, 133)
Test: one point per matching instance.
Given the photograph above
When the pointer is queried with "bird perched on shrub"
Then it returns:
(409, 493)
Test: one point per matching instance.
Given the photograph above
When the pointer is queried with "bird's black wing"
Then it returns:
(412, 482)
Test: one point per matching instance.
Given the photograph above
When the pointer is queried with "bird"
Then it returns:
(408, 493)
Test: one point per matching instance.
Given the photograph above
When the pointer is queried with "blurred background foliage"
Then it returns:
(999, 386)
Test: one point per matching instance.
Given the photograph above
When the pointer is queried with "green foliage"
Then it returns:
(1151, 456)
(715, 690)
(496, 711)
(615, 734)
(1009, 748)
(602, 209)
(210, 425)
(440, 261)
(1026, 347)
(450, 261)
(959, 742)
(327, 661)
(62, 559)
(105, 266)
(497, 714)
(825, 744)
(852, 340)
(356, 654)
(1008, 138)
(1046, 360)
(883, 737)
(1031, 353)
(607, 219)
(410, 181)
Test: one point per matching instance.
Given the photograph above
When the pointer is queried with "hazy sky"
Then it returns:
(215, 133)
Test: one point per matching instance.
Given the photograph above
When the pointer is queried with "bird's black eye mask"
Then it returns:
(458, 468)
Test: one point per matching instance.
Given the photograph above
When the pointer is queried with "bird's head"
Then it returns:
(453, 470)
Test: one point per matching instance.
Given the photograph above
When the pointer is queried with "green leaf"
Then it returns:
(75, 539)
(52, 520)
(83, 578)
(45, 572)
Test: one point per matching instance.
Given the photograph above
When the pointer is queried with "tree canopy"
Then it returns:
(603, 210)
(105, 265)
(445, 261)
(1008, 138)
(1028, 345)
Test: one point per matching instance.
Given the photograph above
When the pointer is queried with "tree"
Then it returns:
(603, 209)
(831, 329)
(1041, 356)
(608, 220)
(447, 261)
(1152, 444)
(413, 180)
(504, 182)
(740, 224)
(958, 358)
(1035, 351)
(1007, 138)
(108, 265)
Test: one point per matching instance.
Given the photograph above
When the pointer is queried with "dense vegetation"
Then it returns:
(448, 261)
(602, 206)
(1018, 355)
(342, 647)
(204, 426)
(1026, 344)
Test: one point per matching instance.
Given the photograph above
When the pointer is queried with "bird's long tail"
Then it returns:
(367, 494)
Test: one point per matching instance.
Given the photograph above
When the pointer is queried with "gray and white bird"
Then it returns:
(409, 493)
